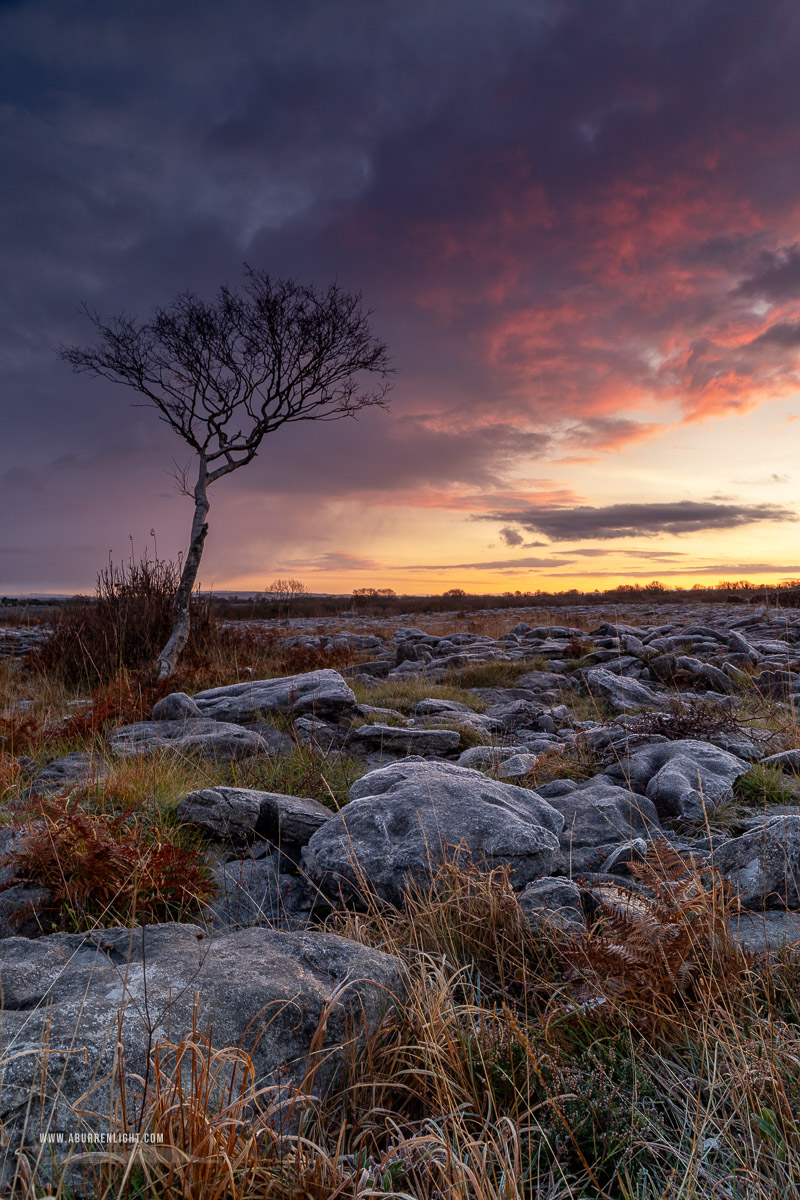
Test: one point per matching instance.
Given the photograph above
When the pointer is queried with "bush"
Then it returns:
(123, 627)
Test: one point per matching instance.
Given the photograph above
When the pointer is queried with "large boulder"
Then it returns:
(598, 817)
(214, 739)
(763, 865)
(405, 818)
(683, 778)
(83, 1010)
(318, 693)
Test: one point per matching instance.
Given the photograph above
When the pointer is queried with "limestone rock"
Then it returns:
(258, 989)
(222, 812)
(553, 902)
(404, 818)
(177, 706)
(317, 693)
(598, 817)
(391, 739)
(214, 739)
(618, 691)
(763, 865)
(682, 777)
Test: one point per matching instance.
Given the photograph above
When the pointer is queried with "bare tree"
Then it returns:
(285, 591)
(225, 373)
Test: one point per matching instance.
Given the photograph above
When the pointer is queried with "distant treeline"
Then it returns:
(384, 601)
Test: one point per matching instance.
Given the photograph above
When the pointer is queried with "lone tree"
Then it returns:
(226, 373)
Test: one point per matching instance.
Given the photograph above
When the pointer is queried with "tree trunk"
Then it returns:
(181, 605)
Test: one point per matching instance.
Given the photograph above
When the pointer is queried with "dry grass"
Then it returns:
(647, 1059)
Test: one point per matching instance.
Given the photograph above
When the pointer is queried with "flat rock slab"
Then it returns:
(394, 740)
(260, 989)
(67, 772)
(765, 931)
(214, 739)
(238, 813)
(317, 693)
(405, 818)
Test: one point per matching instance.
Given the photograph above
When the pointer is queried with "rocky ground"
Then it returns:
(566, 755)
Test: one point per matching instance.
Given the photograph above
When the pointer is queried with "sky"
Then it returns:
(577, 225)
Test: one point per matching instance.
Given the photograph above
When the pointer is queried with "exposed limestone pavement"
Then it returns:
(562, 754)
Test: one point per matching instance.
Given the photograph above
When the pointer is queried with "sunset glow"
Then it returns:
(578, 227)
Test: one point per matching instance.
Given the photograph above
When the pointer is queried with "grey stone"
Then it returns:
(518, 766)
(597, 818)
(23, 910)
(405, 818)
(214, 739)
(787, 760)
(481, 757)
(619, 692)
(82, 1010)
(222, 812)
(289, 821)
(627, 852)
(557, 787)
(763, 865)
(253, 892)
(177, 706)
(274, 739)
(317, 734)
(765, 931)
(553, 903)
(391, 739)
(432, 707)
(713, 677)
(316, 693)
(515, 714)
(387, 715)
(683, 777)
(66, 772)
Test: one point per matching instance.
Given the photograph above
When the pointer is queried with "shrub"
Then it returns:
(122, 628)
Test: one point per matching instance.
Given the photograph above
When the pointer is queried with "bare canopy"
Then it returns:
(225, 373)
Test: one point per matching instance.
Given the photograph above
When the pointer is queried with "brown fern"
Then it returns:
(659, 948)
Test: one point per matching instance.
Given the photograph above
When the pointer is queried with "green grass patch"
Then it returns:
(303, 772)
(495, 673)
(764, 785)
(404, 694)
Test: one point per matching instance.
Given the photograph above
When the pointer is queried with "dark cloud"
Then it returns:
(511, 537)
(558, 210)
(782, 333)
(648, 520)
(777, 276)
(498, 564)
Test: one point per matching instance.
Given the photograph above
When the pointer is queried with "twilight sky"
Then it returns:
(578, 224)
